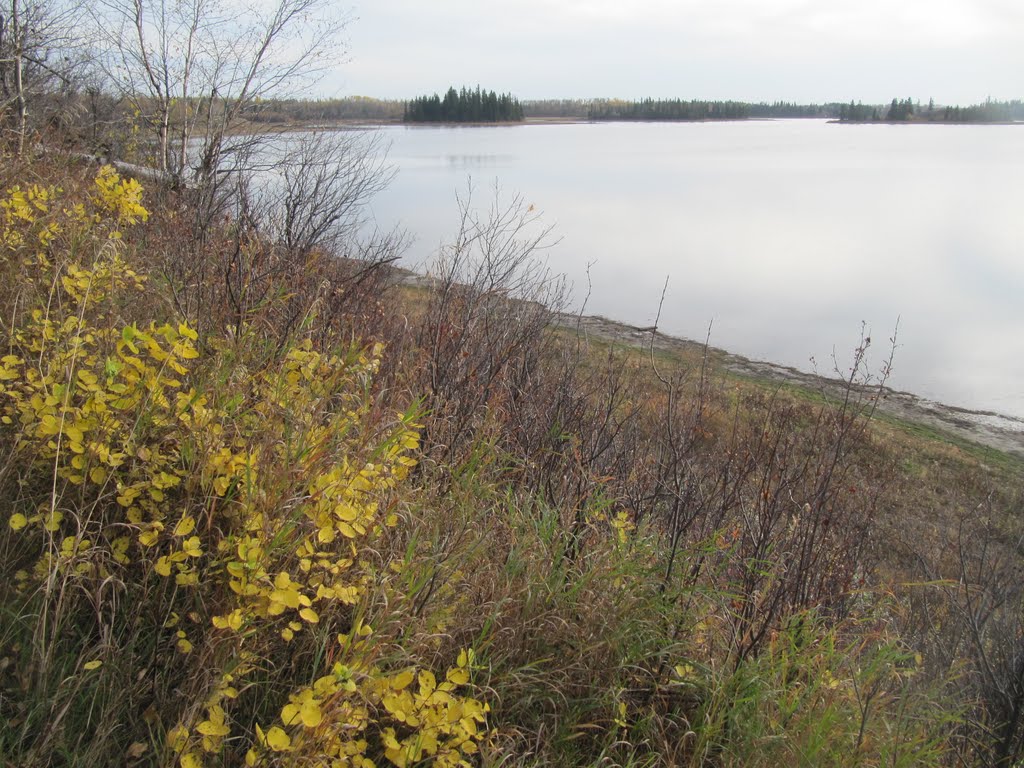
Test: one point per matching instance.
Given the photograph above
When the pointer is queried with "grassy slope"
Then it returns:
(599, 636)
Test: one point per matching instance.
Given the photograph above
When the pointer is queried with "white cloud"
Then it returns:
(954, 50)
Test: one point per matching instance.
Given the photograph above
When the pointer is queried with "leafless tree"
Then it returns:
(38, 53)
(492, 301)
(193, 68)
(317, 189)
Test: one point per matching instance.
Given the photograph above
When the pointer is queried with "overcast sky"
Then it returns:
(955, 51)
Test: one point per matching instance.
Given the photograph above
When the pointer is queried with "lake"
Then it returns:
(781, 236)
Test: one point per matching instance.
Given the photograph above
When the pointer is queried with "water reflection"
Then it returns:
(786, 235)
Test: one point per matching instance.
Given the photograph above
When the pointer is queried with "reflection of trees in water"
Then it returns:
(477, 161)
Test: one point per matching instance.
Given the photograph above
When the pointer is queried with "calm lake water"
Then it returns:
(782, 236)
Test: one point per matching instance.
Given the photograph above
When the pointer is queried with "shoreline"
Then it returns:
(986, 428)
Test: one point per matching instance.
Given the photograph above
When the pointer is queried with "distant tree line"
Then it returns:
(308, 111)
(567, 108)
(464, 106)
(988, 112)
(906, 110)
(667, 109)
(791, 109)
(324, 110)
(858, 113)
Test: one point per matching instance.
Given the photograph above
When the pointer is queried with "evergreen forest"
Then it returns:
(464, 106)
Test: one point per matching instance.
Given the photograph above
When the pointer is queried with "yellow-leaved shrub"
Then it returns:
(233, 493)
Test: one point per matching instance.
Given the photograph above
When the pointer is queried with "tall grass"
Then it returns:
(251, 537)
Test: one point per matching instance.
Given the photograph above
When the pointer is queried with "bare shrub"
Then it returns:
(968, 619)
(286, 247)
(483, 329)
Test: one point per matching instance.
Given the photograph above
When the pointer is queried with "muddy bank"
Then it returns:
(1003, 433)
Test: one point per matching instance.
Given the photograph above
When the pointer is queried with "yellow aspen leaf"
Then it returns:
(192, 547)
(17, 521)
(283, 598)
(427, 682)
(402, 680)
(278, 740)
(346, 530)
(95, 664)
(310, 713)
(214, 725)
(346, 512)
(458, 676)
(191, 760)
(290, 714)
(48, 425)
(185, 526)
(309, 615)
(184, 646)
(163, 566)
(149, 538)
(232, 621)
(454, 712)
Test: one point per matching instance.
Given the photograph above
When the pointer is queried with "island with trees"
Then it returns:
(464, 106)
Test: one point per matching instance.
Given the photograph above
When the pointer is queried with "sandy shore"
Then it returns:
(1004, 433)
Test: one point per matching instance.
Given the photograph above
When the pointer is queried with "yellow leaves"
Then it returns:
(427, 683)
(151, 535)
(192, 547)
(275, 738)
(232, 621)
(285, 595)
(261, 494)
(457, 676)
(121, 197)
(402, 680)
(177, 738)
(185, 526)
(215, 724)
(184, 645)
(684, 671)
(91, 665)
(48, 425)
(304, 709)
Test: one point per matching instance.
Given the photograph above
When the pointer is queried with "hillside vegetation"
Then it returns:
(265, 506)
